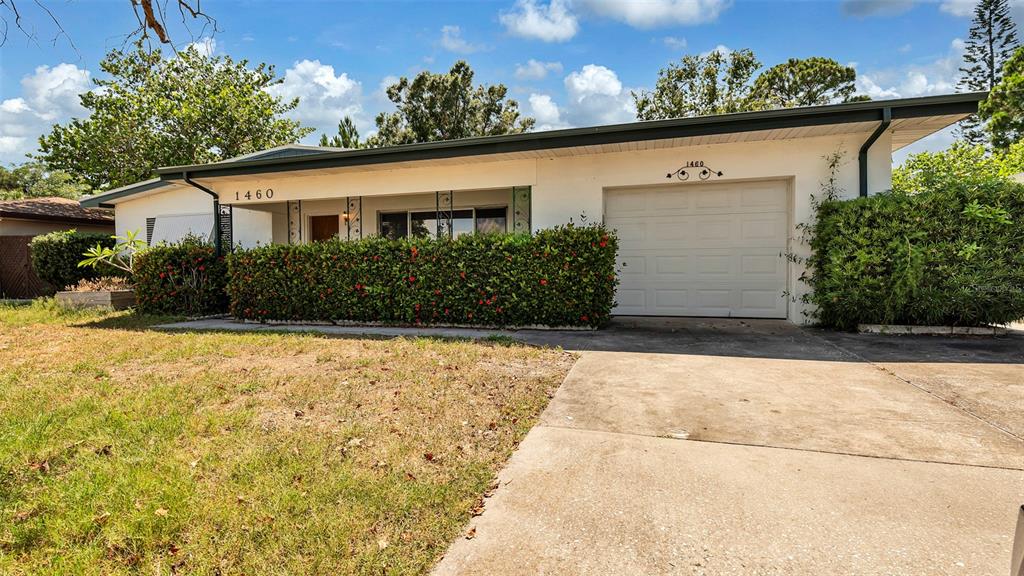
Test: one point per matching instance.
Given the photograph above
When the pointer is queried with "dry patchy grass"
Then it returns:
(125, 450)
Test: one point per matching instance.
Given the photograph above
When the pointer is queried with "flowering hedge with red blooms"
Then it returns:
(564, 276)
(186, 278)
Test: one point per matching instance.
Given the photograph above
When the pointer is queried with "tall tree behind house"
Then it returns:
(992, 40)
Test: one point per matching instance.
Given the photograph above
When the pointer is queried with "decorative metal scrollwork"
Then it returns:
(521, 209)
(354, 217)
(445, 215)
(702, 172)
(295, 221)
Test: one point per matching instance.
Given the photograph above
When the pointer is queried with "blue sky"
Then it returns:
(567, 62)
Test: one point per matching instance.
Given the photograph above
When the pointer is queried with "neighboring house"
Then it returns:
(707, 209)
(22, 220)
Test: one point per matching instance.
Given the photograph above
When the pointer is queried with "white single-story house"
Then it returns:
(707, 209)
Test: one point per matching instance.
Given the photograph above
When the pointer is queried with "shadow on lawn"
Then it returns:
(776, 339)
(132, 321)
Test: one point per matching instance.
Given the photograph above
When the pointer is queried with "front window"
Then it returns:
(424, 224)
(492, 220)
(394, 225)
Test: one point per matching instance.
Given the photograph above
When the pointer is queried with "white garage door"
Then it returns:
(701, 249)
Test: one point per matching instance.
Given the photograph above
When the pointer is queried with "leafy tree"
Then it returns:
(699, 85)
(992, 41)
(814, 81)
(1004, 108)
(961, 166)
(153, 111)
(33, 180)
(435, 107)
(347, 136)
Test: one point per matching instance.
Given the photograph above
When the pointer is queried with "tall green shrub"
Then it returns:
(559, 277)
(55, 257)
(949, 255)
(186, 278)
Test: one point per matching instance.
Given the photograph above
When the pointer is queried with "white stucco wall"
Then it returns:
(251, 227)
(563, 187)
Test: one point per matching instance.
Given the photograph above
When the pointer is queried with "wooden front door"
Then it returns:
(323, 228)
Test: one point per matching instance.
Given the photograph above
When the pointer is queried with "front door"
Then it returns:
(323, 228)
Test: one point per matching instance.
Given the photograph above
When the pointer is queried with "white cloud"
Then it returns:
(674, 43)
(206, 46)
(937, 77)
(864, 8)
(596, 96)
(546, 112)
(965, 9)
(655, 13)
(324, 96)
(48, 96)
(552, 22)
(958, 8)
(535, 70)
(452, 41)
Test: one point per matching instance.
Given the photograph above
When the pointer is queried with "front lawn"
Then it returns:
(128, 450)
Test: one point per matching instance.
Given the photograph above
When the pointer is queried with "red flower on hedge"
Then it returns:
(603, 244)
(162, 275)
(543, 281)
(412, 279)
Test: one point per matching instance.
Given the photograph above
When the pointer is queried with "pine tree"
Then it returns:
(992, 40)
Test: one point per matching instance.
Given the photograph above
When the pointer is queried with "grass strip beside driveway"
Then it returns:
(126, 450)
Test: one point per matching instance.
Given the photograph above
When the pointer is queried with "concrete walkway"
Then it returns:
(721, 447)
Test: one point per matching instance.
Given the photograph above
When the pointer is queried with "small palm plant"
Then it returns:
(120, 256)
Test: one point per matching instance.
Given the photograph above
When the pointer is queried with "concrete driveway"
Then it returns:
(754, 447)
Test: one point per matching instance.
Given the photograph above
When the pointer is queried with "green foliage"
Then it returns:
(55, 257)
(719, 82)
(347, 136)
(121, 255)
(960, 167)
(559, 277)
(991, 43)
(814, 81)
(34, 180)
(186, 278)
(153, 111)
(435, 107)
(1004, 108)
(699, 85)
(943, 256)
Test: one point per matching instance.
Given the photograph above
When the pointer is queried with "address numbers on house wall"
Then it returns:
(258, 194)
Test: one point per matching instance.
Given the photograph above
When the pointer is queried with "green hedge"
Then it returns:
(943, 257)
(559, 277)
(55, 257)
(186, 278)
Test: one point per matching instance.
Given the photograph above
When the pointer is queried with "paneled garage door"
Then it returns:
(701, 249)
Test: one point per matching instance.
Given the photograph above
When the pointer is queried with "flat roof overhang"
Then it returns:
(948, 106)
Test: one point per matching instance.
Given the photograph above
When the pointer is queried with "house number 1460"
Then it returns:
(257, 195)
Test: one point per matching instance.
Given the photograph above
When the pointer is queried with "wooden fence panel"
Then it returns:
(17, 277)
